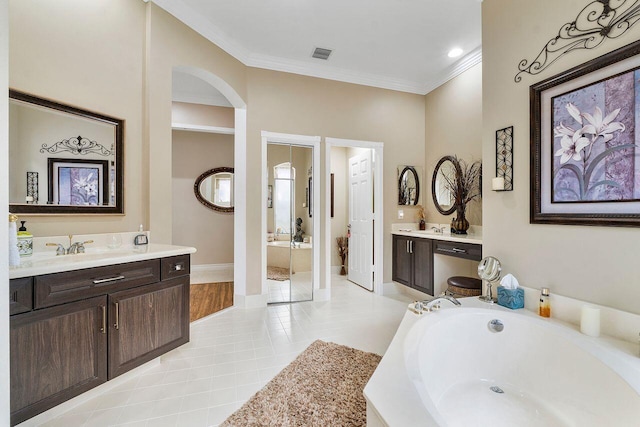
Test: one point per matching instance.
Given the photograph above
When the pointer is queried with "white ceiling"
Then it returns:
(394, 44)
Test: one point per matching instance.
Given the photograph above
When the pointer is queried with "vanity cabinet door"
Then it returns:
(146, 322)
(402, 260)
(422, 265)
(56, 353)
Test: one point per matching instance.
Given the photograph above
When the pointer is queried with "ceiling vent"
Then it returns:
(320, 53)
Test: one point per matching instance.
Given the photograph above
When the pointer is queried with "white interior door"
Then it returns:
(361, 220)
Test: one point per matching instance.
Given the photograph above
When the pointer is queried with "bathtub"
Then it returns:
(280, 252)
(448, 368)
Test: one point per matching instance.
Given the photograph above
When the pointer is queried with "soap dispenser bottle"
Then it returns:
(25, 241)
(545, 305)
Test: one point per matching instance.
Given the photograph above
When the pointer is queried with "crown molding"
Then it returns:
(332, 73)
(211, 32)
(470, 60)
(204, 27)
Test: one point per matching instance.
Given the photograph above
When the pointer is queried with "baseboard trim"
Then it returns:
(250, 301)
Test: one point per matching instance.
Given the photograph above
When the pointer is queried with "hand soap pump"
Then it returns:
(545, 305)
(25, 241)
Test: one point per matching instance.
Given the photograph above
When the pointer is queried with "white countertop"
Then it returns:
(47, 262)
(429, 234)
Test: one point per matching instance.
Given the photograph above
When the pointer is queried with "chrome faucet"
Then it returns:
(74, 248)
(438, 230)
(434, 304)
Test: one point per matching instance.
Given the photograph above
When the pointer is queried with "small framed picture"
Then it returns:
(78, 182)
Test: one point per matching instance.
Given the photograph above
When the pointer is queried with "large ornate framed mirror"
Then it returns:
(214, 189)
(444, 175)
(63, 159)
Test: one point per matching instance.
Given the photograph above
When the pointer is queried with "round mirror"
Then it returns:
(408, 186)
(214, 189)
(444, 178)
(489, 269)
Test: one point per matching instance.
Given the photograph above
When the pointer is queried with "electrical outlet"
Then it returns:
(400, 214)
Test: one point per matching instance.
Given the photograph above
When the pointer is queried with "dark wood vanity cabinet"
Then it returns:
(56, 354)
(88, 326)
(413, 263)
(144, 323)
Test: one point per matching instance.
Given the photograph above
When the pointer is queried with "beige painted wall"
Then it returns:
(90, 55)
(193, 224)
(339, 222)
(288, 103)
(172, 44)
(453, 124)
(202, 115)
(597, 264)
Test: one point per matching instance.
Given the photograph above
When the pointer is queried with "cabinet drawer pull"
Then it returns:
(103, 329)
(117, 324)
(110, 279)
(452, 250)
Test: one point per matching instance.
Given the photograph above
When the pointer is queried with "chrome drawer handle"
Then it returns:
(110, 279)
(460, 251)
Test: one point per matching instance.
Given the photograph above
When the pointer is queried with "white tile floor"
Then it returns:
(299, 288)
(233, 354)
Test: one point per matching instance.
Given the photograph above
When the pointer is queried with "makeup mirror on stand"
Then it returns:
(489, 270)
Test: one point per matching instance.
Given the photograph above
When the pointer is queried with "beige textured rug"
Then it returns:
(277, 273)
(322, 387)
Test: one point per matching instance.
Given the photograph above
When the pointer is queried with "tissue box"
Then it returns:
(511, 298)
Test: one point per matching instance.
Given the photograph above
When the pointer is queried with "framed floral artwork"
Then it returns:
(78, 182)
(585, 143)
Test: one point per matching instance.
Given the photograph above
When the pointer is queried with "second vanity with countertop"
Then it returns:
(424, 259)
(80, 320)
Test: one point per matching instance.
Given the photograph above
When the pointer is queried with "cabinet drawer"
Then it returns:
(460, 250)
(175, 266)
(59, 288)
(20, 295)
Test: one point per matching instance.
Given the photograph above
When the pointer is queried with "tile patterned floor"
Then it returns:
(299, 288)
(233, 354)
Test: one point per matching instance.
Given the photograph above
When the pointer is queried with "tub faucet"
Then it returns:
(434, 304)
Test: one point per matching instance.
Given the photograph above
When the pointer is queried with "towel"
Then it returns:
(14, 254)
(509, 282)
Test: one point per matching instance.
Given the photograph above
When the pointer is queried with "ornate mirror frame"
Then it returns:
(201, 199)
(434, 196)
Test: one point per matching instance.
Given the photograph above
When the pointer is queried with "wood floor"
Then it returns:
(207, 298)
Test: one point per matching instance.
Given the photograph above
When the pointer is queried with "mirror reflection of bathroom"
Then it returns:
(289, 224)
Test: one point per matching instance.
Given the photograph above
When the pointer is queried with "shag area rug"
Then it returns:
(321, 387)
(277, 273)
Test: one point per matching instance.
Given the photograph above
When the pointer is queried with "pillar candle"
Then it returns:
(590, 321)
(497, 183)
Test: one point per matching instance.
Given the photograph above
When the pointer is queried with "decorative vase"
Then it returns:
(422, 224)
(343, 271)
(460, 225)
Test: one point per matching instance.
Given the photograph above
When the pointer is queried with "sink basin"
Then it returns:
(43, 259)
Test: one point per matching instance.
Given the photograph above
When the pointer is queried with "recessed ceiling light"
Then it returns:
(455, 52)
